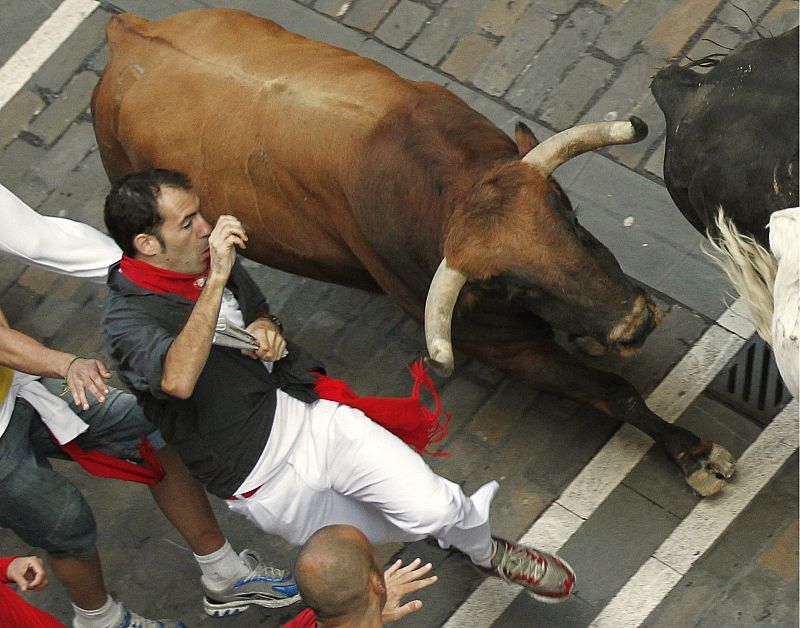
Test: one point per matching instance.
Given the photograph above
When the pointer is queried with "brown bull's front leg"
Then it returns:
(546, 366)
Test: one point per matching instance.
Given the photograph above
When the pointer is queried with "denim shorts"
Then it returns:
(42, 507)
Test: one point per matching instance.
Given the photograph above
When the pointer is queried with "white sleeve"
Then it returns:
(58, 244)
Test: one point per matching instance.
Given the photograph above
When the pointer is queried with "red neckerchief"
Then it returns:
(161, 280)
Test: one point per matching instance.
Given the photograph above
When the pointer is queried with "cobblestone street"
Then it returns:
(551, 64)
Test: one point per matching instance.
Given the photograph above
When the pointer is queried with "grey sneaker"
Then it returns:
(265, 586)
(134, 620)
(547, 578)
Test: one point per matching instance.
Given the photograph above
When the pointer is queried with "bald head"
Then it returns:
(336, 572)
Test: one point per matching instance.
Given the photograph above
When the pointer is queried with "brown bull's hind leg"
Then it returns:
(546, 366)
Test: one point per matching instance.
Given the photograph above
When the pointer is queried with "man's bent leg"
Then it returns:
(184, 502)
(82, 580)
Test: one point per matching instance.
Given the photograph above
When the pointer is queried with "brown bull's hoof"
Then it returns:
(711, 471)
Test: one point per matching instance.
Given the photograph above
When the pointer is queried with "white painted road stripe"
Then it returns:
(704, 525)
(43, 43)
(690, 377)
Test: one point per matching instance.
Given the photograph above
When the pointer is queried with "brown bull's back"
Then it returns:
(267, 124)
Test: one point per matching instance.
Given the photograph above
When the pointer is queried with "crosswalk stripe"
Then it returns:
(43, 43)
(687, 380)
(704, 525)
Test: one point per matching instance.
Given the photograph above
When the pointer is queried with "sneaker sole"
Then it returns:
(228, 609)
(546, 599)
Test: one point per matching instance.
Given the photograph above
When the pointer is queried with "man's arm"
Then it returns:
(23, 353)
(189, 351)
(58, 244)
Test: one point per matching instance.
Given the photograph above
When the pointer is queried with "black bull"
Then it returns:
(732, 134)
(346, 172)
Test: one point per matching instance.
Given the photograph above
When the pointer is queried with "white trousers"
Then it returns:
(329, 464)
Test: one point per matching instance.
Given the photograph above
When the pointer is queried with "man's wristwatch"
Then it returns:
(275, 320)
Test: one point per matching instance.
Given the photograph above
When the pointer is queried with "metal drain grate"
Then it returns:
(751, 383)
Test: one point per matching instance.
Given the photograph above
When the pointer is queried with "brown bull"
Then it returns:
(345, 172)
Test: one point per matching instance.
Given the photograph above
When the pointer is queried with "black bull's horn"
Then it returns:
(545, 157)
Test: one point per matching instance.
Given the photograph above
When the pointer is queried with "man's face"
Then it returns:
(184, 233)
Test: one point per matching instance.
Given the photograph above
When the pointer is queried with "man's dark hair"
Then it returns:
(333, 572)
(131, 206)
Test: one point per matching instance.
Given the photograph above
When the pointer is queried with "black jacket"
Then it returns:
(221, 430)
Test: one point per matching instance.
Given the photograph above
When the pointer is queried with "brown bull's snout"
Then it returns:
(629, 334)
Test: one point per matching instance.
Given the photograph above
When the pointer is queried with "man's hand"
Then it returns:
(28, 573)
(87, 374)
(272, 344)
(401, 581)
(227, 234)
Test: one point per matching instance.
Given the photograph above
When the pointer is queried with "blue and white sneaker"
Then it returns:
(265, 586)
(134, 620)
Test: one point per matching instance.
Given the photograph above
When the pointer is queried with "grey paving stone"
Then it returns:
(69, 57)
(300, 20)
(398, 62)
(157, 10)
(66, 154)
(552, 61)
(403, 23)
(728, 586)
(497, 113)
(99, 59)
(334, 8)
(441, 32)
(20, 20)
(717, 39)
(513, 54)
(80, 196)
(742, 13)
(16, 160)
(655, 163)
(59, 115)
(626, 91)
(782, 18)
(559, 7)
(367, 15)
(16, 114)
(565, 102)
(525, 611)
(602, 551)
(629, 25)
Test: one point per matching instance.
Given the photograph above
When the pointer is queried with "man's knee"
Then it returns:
(60, 522)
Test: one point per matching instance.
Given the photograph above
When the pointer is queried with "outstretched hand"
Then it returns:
(87, 374)
(28, 573)
(402, 581)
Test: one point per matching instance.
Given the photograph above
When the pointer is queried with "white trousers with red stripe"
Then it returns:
(329, 464)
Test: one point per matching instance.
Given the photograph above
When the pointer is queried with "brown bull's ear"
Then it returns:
(526, 140)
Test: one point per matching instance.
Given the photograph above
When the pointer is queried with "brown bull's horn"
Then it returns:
(565, 145)
(442, 295)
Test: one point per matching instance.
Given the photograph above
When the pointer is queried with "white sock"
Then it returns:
(221, 568)
(109, 615)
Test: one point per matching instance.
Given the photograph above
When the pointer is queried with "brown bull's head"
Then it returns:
(516, 233)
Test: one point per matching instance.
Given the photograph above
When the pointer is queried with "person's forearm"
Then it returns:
(23, 353)
(189, 351)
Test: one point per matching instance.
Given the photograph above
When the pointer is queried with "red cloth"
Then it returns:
(161, 280)
(406, 417)
(104, 466)
(306, 619)
(16, 612)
